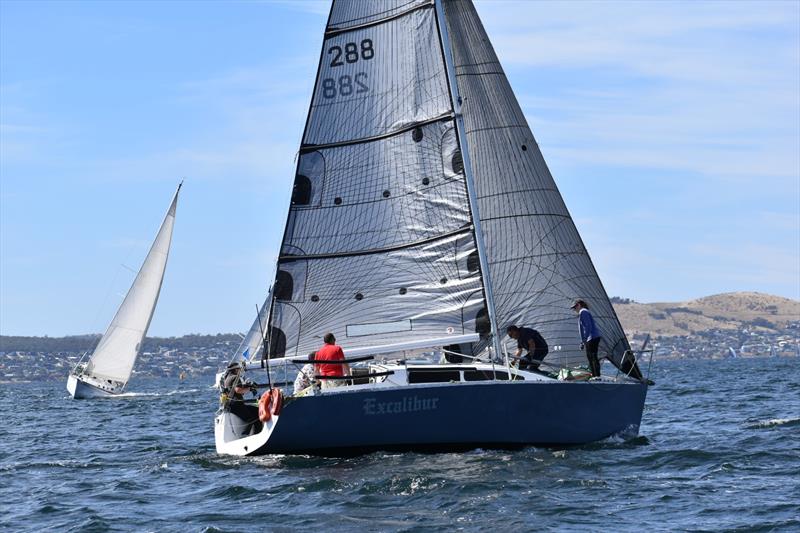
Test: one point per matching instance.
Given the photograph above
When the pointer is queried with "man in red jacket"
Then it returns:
(331, 352)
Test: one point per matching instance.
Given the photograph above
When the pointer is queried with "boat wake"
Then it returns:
(773, 422)
(154, 394)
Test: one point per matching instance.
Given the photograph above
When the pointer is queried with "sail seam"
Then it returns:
(338, 31)
(500, 73)
(313, 147)
(386, 249)
(518, 191)
(558, 215)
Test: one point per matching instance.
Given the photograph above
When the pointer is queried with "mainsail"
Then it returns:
(380, 244)
(115, 355)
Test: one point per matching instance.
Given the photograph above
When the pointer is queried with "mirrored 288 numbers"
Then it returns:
(347, 84)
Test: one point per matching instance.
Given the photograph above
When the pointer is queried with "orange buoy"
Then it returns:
(270, 404)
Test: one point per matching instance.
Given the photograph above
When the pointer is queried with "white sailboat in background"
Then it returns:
(109, 367)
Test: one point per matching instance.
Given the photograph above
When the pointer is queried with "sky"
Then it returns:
(672, 130)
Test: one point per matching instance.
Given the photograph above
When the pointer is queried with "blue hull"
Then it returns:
(456, 416)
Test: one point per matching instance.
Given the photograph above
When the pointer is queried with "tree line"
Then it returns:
(83, 343)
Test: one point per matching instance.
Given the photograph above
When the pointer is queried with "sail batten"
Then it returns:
(414, 6)
(405, 128)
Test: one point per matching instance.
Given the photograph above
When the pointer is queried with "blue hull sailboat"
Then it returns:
(423, 221)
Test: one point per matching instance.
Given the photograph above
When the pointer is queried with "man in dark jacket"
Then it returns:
(232, 383)
(531, 340)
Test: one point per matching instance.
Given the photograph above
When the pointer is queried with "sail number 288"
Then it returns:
(345, 85)
(351, 53)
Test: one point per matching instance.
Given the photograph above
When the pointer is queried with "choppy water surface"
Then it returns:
(719, 449)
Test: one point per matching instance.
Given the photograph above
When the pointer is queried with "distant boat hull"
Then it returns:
(80, 389)
(439, 417)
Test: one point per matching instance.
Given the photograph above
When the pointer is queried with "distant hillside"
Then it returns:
(733, 310)
(83, 343)
(729, 311)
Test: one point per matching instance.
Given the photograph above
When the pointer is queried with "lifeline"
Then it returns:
(407, 405)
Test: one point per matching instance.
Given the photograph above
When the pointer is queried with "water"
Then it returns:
(719, 449)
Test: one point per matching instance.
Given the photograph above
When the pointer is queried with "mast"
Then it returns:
(452, 83)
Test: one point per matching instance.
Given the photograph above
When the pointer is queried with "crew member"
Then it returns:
(531, 340)
(330, 351)
(590, 335)
(305, 377)
(233, 385)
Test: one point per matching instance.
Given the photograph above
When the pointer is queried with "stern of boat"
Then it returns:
(240, 436)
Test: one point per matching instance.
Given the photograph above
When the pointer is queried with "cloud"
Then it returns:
(709, 88)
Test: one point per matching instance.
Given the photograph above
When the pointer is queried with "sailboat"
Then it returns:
(108, 369)
(424, 221)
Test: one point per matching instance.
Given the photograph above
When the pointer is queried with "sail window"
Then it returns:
(314, 298)
(426, 181)
(308, 181)
(458, 162)
(416, 134)
(443, 281)
(301, 194)
(482, 325)
(277, 342)
(473, 262)
(284, 286)
(337, 200)
(386, 194)
(359, 296)
(524, 148)
(403, 290)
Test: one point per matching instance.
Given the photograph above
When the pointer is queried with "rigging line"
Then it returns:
(288, 258)
(337, 31)
(305, 148)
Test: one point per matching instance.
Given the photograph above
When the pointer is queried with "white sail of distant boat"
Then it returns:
(109, 368)
(424, 217)
(251, 345)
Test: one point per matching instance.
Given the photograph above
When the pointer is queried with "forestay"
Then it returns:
(116, 353)
(537, 261)
(379, 245)
(251, 346)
